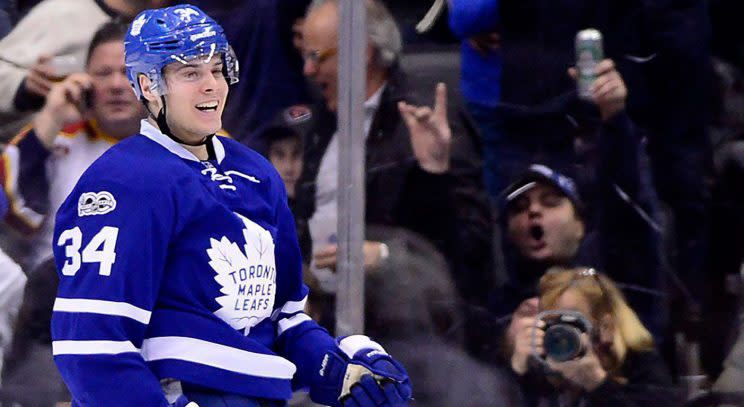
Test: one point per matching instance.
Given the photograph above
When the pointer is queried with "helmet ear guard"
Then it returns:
(157, 84)
(231, 66)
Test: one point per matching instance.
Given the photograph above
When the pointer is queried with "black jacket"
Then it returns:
(646, 382)
(450, 209)
(621, 215)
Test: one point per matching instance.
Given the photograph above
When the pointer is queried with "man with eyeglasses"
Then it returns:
(83, 116)
(48, 44)
(422, 172)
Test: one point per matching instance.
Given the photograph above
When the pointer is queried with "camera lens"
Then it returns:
(562, 342)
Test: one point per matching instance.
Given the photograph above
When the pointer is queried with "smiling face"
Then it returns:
(114, 105)
(195, 98)
(320, 41)
(544, 226)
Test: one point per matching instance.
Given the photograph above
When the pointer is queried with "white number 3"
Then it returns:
(72, 240)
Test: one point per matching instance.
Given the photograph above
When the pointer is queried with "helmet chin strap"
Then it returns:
(165, 129)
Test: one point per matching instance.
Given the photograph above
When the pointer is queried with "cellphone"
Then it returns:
(86, 98)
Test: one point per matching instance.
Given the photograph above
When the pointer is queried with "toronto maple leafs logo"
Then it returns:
(186, 13)
(137, 25)
(247, 276)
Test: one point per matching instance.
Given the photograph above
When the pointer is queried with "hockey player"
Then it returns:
(180, 272)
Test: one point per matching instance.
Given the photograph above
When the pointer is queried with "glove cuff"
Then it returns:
(350, 345)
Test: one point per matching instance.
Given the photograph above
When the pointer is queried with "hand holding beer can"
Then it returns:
(589, 53)
(63, 65)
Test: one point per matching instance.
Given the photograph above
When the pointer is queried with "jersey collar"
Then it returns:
(96, 132)
(154, 134)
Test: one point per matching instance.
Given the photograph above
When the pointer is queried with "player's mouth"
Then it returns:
(208, 106)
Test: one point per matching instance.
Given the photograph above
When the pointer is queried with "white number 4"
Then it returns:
(72, 239)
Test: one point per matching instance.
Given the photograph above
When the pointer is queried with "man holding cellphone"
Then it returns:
(83, 116)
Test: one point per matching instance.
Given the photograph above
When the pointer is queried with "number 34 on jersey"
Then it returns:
(100, 249)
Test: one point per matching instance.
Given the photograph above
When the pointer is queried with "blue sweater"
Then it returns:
(481, 74)
(175, 268)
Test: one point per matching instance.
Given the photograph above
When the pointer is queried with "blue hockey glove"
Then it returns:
(359, 373)
(182, 401)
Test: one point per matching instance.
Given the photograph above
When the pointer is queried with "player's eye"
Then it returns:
(190, 74)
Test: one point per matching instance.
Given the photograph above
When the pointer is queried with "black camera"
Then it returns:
(563, 329)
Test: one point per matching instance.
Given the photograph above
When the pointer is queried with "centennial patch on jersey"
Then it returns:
(96, 203)
(247, 276)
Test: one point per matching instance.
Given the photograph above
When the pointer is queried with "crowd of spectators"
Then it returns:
(490, 199)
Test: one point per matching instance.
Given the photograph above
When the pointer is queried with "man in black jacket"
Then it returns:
(422, 171)
(606, 218)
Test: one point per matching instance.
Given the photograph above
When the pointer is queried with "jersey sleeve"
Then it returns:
(300, 339)
(25, 182)
(110, 246)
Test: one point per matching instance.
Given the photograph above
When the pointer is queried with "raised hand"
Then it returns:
(64, 105)
(40, 78)
(431, 136)
(608, 90)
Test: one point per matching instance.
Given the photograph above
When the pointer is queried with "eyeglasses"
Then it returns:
(592, 273)
(318, 57)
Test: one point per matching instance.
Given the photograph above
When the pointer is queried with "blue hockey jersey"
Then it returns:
(172, 267)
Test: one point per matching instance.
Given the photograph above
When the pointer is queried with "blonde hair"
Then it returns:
(604, 298)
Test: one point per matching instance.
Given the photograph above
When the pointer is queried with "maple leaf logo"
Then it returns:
(247, 277)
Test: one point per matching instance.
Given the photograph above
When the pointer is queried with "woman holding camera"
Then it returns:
(587, 347)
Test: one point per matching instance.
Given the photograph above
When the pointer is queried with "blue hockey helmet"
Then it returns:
(181, 34)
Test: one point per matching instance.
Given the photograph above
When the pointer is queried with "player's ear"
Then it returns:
(147, 92)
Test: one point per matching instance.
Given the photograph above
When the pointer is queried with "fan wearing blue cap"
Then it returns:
(180, 272)
(546, 224)
(543, 216)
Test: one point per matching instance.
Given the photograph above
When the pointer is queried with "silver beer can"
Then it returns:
(589, 53)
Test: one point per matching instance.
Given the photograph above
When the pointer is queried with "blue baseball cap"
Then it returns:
(539, 173)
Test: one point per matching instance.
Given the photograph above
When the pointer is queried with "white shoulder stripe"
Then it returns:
(217, 355)
(92, 347)
(291, 322)
(121, 309)
(290, 307)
